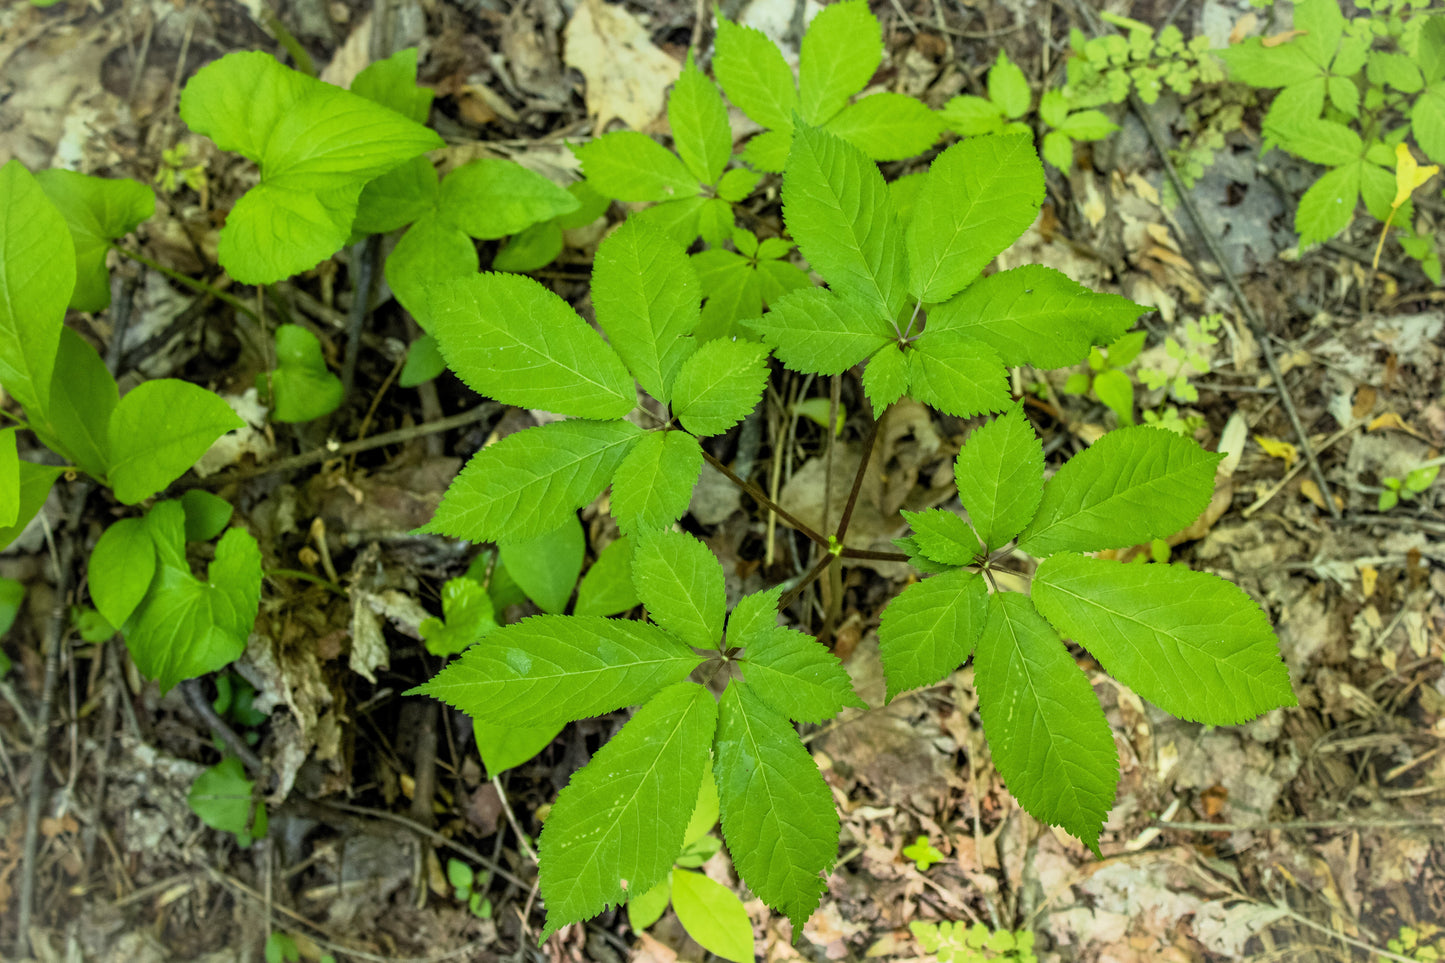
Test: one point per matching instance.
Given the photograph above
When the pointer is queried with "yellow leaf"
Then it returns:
(1408, 174)
(1368, 576)
(1310, 490)
(1275, 448)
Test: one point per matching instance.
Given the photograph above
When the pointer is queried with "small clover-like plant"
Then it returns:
(923, 854)
(1414, 482)
(1106, 69)
(301, 388)
(958, 943)
(738, 284)
(841, 50)
(468, 888)
(1107, 377)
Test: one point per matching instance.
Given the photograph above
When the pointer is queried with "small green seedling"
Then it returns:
(301, 388)
(1107, 378)
(1408, 487)
(922, 853)
(956, 943)
(1423, 943)
(469, 889)
(281, 948)
(225, 799)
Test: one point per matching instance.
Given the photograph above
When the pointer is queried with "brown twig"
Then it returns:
(762, 499)
(857, 482)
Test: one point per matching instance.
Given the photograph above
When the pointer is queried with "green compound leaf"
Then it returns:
(754, 615)
(886, 378)
(778, 817)
(930, 628)
(618, 825)
(647, 298)
(467, 615)
(1044, 725)
(160, 429)
(551, 669)
(546, 567)
(797, 676)
(1317, 141)
(979, 196)
(492, 198)
(699, 121)
(607, 587)
(1190, 642)
(681, 583)
(97, 210)
(712, 914)
(1328, 206)
(120, 569)
(529, 482)
(302, 386)
(720, 385)
(81, 402)
(1132, 485)
(512, 339)
(962, 378)
(392, 83)
(943, 537)
(821, 332)
(840, 53)
(1008, 87)
(224, 799)
(1252, 63)
(626, 165)
(1035, 315)
(837, 207)
(206, 516)
(431, 253)
(317, 147)
(751, 71)
(506, 747)
(35, 481)
(654, 483)
(1322, 24)
(1000, 477)
(37, 271)
(185, 627)
(887, 126)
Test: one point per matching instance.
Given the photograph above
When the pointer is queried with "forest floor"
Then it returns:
(1312, 833)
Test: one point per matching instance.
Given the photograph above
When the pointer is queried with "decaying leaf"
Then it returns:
(626, 74)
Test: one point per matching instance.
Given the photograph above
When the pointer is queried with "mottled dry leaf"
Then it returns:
(626, 75)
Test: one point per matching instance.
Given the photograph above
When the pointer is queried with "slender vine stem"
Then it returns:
(812, 576)
(189, 282)
(759, 496)
(865, 553)
(857, 482)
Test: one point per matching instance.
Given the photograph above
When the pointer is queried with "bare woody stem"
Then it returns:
(759, 496)
(189, 282)
(812, 576)
(857, 482)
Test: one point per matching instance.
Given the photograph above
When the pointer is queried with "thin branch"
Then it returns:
(758, 496)
(875, 556)
(857, 482)
(189, 282)
(812, 576)
(1304, 825)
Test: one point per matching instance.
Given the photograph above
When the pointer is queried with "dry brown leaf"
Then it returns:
(626, 74)
(1286, 36)
(1368, 576)
(1243, 27)
(1310, 490)
(1364, 401)
(1275, 448)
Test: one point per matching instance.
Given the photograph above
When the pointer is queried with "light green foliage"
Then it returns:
(681, 584)
(12, 594)
(793, 673)
(712, 915)
(841, 50)
(653, 485)
(206, 514)
(82, 400)
(98, 211)
(930, 629)
(719, 385)
(1186, 358)
(302, 388)
(34, 484)
(1108, 378)
(423, 362)
(467, 615)
(546, 567)
(1423, 943)
(122, 565)
(317, 147)
(607, 588)
(468, 888)
(1105, 69)
(956, 943)
(225, 799)
(37, 270)
(922, 853)
(1415, 482)
(160, 429)
(506, 747)
(281, 948)
(998, 472)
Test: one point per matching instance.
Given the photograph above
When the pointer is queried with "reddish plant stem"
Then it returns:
(762, 499)
(813, 575)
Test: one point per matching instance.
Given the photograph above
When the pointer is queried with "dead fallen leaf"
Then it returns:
(1275, 448)
(626, 74)
(1243, 27)
(1274, 40)
(1368, 576)
(1364, 401)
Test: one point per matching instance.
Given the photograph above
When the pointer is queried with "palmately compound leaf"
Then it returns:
(797, 676)
(512, 339)
(550, 669)
(302, 387)
(778, 817)
(1329, 205)
(841, 51)
(754, 615)
(618, 825)
(654, 483)
(752, 72)
(1000, 477)
(98, 210)
(647, 298)
(887, 126)
(1035, 315)
(720, 385)
(120, 569)
(317, 147)
(1132, 485)
(531, 481)
(1044, 725)
(961, 378)
(943, 537)
(626, 165)
(929, 630)
(836, 206)
(819, 331)
(980, 195)
(37, 270)
(713, 915)
(681, 583)
(160, 429)
(185, 627)
(1189, 642)
(607, 587)
(699, 121)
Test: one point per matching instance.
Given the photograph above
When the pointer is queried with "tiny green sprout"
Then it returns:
(466, 888)
(282, 948)
(1415, 482)
(923, 854)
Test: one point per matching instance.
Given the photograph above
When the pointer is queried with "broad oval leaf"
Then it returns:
(1045, 728)
(797, 676)
(1000, 477)
(752, 72)
(1035, 315)
(1189, 642)
(35, 482)
(491, 198)
(720, 385)
(37, 271)
(529, 482)
(654, 483)
(551, 669)
(81, 403)
(160, 429)
(97, 210)
(681, 583)
(120, 569)
(699, 121)
(712, 914)
(1132, 485)
(546, 567)
(431, 253)
(316, 145)
(836, 205)
(841, 50)
(778, 816)
(506, 747)
(929, 630)
(626, 165)
(819, 331)
(607, 587)
(618, 825)
(512, 339)
(302, 387)
(392, 83)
